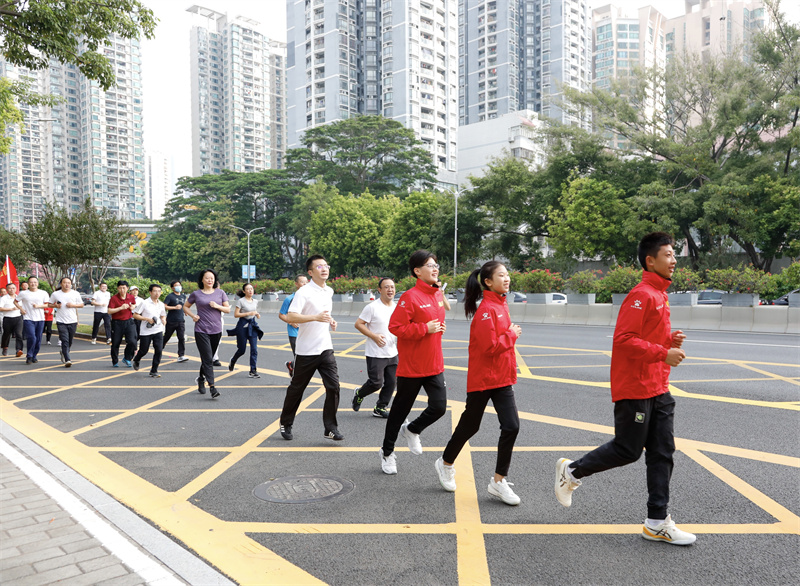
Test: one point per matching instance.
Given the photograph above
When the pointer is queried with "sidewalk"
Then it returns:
(54, 528)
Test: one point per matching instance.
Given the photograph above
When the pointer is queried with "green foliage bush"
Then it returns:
(406, 283)
(685, 279)
(620, 280)
(747, 280)
(583, 282)
(537, 281)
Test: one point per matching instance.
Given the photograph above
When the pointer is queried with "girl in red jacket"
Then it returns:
(492, 371)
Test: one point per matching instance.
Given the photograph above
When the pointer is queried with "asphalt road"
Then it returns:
(190, 465)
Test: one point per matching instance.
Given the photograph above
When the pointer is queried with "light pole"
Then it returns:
(248, 232)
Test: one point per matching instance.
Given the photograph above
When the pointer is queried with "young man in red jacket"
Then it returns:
(418, 323)
(644, 350)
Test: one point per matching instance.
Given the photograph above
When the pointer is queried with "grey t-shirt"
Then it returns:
(245, 306)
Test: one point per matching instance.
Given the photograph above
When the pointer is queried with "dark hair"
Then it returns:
(298, 277)
(476, 283)
(121, 283)
(651, 244)
(418, 260)
(202, 274)
(380, 283)
(103, 283)
(153, 286)
(62, 280)
(311, 259)
(240, 293)
(172, 285)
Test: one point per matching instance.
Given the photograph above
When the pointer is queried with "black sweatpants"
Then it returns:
(13, 325)
(207, 345)
(178, 328)
(470, 423)
(407, 391)
(304, 368)
(122, 328)
(101, 317)
(639, 424)
(66, 333)
(382, 374)
(144, 347)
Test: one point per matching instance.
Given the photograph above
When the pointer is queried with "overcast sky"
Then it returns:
(165, 63)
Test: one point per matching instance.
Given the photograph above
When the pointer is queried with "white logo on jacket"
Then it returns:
(637, 304)
(424, 306)
(485, 316)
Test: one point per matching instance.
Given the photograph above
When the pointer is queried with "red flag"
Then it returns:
(8, 274)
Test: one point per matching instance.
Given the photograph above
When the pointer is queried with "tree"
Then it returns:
(34, 31)
(409, 229)
(102, 237)
(264, 253)
(51, 244)
(13, 244)
(310, 199)
(363, 153)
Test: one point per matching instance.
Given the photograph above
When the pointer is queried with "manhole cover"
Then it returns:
(302, 489)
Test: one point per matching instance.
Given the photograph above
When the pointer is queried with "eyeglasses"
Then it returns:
(320, 267)
(431, 265)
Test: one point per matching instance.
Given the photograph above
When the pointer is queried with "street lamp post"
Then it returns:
(248, 232)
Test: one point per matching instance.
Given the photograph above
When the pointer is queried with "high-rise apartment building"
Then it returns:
(158, 184)
(397, 58)
(715, 27)
(89, 145)
(518, 54)
(234, 93)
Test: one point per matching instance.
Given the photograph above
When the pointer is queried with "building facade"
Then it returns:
(517, 55)
(89, 145)
(234, 94)
(396, 58)
(158, 184)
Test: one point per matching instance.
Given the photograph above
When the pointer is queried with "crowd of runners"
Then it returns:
(403, 352)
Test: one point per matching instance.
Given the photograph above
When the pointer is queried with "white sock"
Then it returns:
(571, 475)
(448, 465)
(653, 522)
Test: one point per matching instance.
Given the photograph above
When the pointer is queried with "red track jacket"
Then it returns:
(419, 353)
(641, 341)
(492, 361)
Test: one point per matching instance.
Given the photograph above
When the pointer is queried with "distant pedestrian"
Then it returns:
(121, 307)
(311, 308)
(23, 286)
(418, 322)
(247, 329)
(380, 350)
(291, 328)
(134, 290)
(175, 316)
(153, 314)
(211, 303)
(12, 319)
(48, 323)
(492, 370)
(34, 301)
(643, 351)
(66, 302)
(100, 299)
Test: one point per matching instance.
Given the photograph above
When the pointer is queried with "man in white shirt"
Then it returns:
(380, 350)
(12, 319)
(66, 301)
(34, 302)
(311, 309)
(151, 314)
(135, 292)
(100, 301)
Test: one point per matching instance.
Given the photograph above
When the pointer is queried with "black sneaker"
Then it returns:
(214, 392)
(34, 360)
(254, 374)
(290, 368)
(230, 366)
(356, 399)
(216, 363)
(135, 365)
(28, 360)
(381, 412)
(286, 432)
(201, 385)
(155, 375)
(333, 434)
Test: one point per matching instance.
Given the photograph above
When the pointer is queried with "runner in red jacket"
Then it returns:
(492, 371)
(418, 323)
(644, 410)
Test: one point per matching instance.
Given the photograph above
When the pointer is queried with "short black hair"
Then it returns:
(203, 273)
(651, 244)
(380, 283)
(121, 283)
(312, 259)
(298, 277)
(172, 285)
(153, 286)
(418, 260)
(103, 283)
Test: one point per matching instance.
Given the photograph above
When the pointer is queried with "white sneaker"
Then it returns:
(447, 475)
(667, 532)
(182, 359)
(414, 445)
(502, 490)
(388, 463)
(94, 340)
(565, 485)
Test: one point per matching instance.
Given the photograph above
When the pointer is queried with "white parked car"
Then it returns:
(559, 299)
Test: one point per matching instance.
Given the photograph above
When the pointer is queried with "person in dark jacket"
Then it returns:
(643, 351)
(492, 372)
(247, 329)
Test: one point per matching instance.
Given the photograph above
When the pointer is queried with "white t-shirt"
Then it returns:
(313, 337)
(139, 302)
(8, 301)
(152, 310)
(30, 298)
(102, 297)
(377, 316)
(64, 314)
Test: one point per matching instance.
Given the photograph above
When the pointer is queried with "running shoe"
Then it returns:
(34, 360)
(68, 363)
(254, 374)
(115, 365)
(5, 351)
(135, 365)
(502, 490)
(565, 485)
(388, 463)
(356, 399)
(216, 363)
(414, 445)
(108, 342)
(49, 343)
(290, 368)
(447, 475)
(667, 532)
(94, 340)
(381, 412)
(127, 362)
(61, 355)
(333, 434)
(231, 365)
(201, 385)
(182, 359)
(28, 360)
(19, 353)
(155, 375)
(214, 391)
(286, 432)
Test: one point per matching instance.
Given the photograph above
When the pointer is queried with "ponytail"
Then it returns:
(472, 293)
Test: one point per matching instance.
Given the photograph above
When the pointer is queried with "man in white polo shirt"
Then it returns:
(100, 299)
(311, 309)
(152, 314)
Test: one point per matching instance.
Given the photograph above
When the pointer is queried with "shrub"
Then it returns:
(621, 280)
(406, 283)
(537, 281)
(264, 285)
(232, 287)
(285, 285)
(583, 282)
(341, 284)
(685, 279)
(747, 280)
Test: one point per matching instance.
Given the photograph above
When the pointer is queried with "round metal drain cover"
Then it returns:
(302, 489)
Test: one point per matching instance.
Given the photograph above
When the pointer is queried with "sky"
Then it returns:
(165, 63)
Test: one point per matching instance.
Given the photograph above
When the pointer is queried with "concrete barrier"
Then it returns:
(773, 319)
(555, 314)
(793, 320)
(535, 313)
(736, 319)
(680, 316)
(600, 315)
(706, 317)
(517, 311)
(577, 314)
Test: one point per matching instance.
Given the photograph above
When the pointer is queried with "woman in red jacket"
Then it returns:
(492, 371)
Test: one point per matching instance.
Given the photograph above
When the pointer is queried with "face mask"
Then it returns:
(178, 289)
